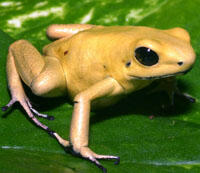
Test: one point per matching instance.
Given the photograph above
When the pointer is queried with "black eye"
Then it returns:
(146, 56)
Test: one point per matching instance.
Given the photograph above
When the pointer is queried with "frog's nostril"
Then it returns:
(180, 63)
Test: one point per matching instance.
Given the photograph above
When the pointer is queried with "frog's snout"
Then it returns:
(186, 64)
(185, 60)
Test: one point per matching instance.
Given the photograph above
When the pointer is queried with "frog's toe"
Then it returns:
(6, 107)
(116, 158)
(39, 114)
(12, 101)
(99, 165)
(187, 97)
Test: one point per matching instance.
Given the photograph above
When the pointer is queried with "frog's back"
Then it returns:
(94, 54)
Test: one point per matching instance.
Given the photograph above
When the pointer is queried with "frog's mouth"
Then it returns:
(160, 77)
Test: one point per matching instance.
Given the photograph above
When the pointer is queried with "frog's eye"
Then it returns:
(146, 56)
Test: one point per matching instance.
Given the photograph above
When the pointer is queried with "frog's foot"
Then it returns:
(176, 91)
(88, 154)
(169, 85)
(186, 96)
(170, 105)
(12, 101)
(25, 103)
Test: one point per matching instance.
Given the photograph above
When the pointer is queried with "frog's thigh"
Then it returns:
(43, 75)
(57, 31)
(27, 61)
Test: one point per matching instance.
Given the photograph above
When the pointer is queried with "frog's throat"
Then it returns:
(160, 77)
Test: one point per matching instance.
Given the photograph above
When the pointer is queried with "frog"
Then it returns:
(95, 66)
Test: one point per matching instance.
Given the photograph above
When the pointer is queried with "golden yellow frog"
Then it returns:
(95, 66)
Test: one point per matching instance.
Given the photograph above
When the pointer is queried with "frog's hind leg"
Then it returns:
(57, 31)
(25, 62)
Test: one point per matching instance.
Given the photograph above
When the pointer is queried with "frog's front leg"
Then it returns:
(169, 85)
(80, 119)
(43, 74)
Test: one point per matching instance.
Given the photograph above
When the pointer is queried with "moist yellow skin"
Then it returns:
(88, 63)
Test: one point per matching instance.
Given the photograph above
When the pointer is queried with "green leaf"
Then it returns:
(167, 143)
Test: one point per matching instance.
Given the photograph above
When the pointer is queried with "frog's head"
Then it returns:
(160, 53)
